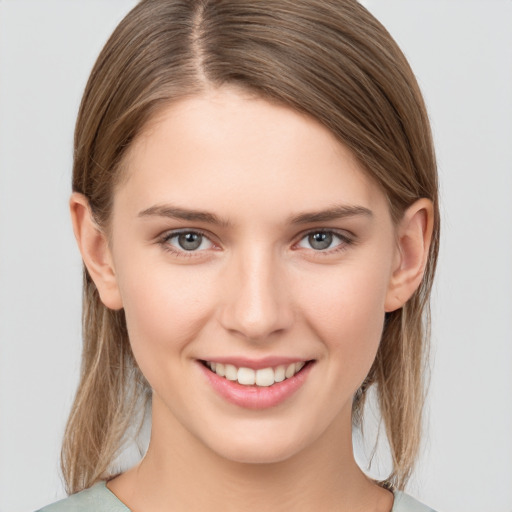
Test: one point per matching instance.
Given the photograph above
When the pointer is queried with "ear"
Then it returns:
(414, 234)
(95, 250)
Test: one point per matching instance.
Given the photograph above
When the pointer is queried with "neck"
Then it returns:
(181, 473)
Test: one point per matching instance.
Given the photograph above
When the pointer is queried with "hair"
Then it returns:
(329, 59)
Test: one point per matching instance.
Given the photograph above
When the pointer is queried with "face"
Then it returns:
(253, 259)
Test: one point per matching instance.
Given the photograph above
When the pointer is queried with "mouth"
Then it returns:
(262, 377)
(257, 384)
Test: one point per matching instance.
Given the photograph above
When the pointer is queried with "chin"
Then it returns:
(246, 455)
(258, 448)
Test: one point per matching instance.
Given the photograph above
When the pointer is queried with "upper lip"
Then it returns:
(256, 364)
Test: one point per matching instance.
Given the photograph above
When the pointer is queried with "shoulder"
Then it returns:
(406, 503)
(95, 499)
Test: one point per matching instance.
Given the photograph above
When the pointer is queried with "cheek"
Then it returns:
(165, 308)
(346, 310)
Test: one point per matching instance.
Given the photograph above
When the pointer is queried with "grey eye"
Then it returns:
(189, 241)
(321, 240)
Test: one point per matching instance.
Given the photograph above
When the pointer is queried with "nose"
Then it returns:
(257, 301)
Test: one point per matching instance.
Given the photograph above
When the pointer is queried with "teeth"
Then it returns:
(248, 377)
(290, 371)
(265, 377)
(279, 373)
(231, 372)
(218, 368)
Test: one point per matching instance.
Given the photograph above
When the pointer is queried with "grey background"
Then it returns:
(461, 51)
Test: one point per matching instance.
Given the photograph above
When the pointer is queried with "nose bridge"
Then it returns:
(258, 304)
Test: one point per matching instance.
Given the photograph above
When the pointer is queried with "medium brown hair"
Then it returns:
(329, 59)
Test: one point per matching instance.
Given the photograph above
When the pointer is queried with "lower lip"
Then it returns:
(257, 397)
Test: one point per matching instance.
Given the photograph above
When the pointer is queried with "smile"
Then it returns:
(256, 384)
(263, 377)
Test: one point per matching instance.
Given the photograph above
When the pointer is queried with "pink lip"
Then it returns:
(255, 397)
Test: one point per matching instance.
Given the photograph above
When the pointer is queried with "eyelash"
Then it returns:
(167, 237)
(345, 241)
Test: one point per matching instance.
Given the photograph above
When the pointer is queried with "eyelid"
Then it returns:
(164, 238)
(345, 237)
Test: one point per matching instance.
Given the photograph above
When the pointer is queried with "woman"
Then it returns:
(255, 201)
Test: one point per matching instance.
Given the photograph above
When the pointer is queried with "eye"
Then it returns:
(188, 241)
(323, 240)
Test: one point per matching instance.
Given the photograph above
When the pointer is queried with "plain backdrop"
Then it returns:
(461, 51)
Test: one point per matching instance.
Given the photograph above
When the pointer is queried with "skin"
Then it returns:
(256, 287)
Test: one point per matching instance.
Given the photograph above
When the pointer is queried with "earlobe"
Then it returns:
(414, 234)
(96, 254)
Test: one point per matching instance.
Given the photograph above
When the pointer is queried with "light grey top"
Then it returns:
(99, 498)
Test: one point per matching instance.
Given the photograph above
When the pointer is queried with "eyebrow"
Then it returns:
(173, 212)
(333, 213)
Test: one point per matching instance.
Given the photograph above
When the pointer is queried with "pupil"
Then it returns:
(320, 240)
(190, 241)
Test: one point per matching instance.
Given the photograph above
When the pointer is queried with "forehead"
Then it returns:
(226, 144)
